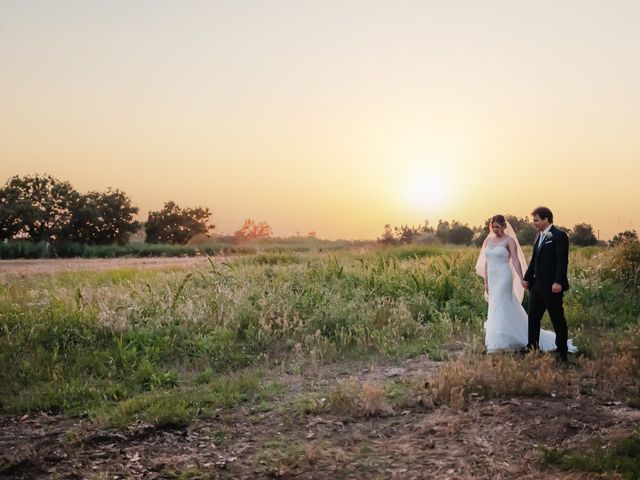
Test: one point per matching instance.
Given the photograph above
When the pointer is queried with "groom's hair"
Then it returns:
(543, 212)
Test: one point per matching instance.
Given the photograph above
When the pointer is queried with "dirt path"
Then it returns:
(499, 439)
(49, 266)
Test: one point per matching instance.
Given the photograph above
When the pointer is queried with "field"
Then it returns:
(289, 364)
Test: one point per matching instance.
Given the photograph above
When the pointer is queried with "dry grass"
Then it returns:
(289, 461)
(505, 375)
(359, 399)
(495, 376)
(613, 374)
(352, 398)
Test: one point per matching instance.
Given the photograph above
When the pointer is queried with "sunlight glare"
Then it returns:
(428, 191)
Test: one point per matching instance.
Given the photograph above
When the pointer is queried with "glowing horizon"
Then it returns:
(329, 117)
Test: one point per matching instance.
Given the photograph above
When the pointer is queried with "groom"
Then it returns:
(546, 279)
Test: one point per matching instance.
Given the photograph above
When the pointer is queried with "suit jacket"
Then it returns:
(549, 262)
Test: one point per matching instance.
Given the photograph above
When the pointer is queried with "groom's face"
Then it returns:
(540, 223)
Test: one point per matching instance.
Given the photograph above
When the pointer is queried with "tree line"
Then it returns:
(458, 233)
(42, 208)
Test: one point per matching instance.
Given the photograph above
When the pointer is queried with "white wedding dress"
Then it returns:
(507, 323)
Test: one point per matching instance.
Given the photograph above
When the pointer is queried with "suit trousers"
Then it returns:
(542, 299)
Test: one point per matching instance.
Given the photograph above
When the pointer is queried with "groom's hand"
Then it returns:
(525, 284)
(556, 288)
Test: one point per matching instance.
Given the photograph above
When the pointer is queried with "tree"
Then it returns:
(442, 231)
(37, 208)
(524, 228)
(176, 225)
(426, 228)
(387, 236)
(251, 230)
(582, 235)
(479, 235)
(628, 236)
(518, 223)
(459, 234)
(102, 218)
(527, 234)
(405, 234)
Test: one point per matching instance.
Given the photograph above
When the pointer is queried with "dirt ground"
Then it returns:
(48, 266)
(490, 439)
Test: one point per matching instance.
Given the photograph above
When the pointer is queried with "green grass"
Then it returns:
(179, 406)
(634, 401)
(621, 456)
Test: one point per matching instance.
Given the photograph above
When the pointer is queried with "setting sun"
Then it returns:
(429, 191)
(329, 116)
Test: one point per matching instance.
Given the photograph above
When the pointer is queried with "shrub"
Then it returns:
(625, 266)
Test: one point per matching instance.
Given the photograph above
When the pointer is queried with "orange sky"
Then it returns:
(336, 117)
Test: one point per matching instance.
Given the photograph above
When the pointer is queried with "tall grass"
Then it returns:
(73, 341)
(80, 343)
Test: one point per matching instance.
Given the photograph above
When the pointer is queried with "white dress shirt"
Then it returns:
(544, 232)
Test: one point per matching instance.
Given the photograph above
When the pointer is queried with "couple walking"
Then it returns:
(506, 275)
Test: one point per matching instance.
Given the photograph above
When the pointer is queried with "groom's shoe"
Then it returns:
(561, 357)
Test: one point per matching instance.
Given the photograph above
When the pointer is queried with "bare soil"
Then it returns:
(49, 266)
(489, 439)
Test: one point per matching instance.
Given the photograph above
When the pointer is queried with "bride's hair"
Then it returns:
(499, 219)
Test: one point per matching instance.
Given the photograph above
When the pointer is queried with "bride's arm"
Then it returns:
(486, 280)
(513, 253)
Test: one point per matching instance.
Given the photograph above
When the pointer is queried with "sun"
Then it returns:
(428, 191)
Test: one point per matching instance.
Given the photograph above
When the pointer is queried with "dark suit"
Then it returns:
(548, 266)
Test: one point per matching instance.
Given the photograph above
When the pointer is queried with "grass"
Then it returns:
(610, 372)
(182, 406)
(620, 456)
(168, 346)
(73, 342)
(354, 399)
(223, 246)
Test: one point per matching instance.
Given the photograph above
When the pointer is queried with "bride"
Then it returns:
(501, 264)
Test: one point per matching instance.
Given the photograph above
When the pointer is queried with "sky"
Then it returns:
(331, 116)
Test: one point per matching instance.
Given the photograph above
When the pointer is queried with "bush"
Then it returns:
(460, 235)
(626, 266)
(628, 236)
(23, 249)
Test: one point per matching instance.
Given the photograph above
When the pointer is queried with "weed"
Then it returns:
(621, 456)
